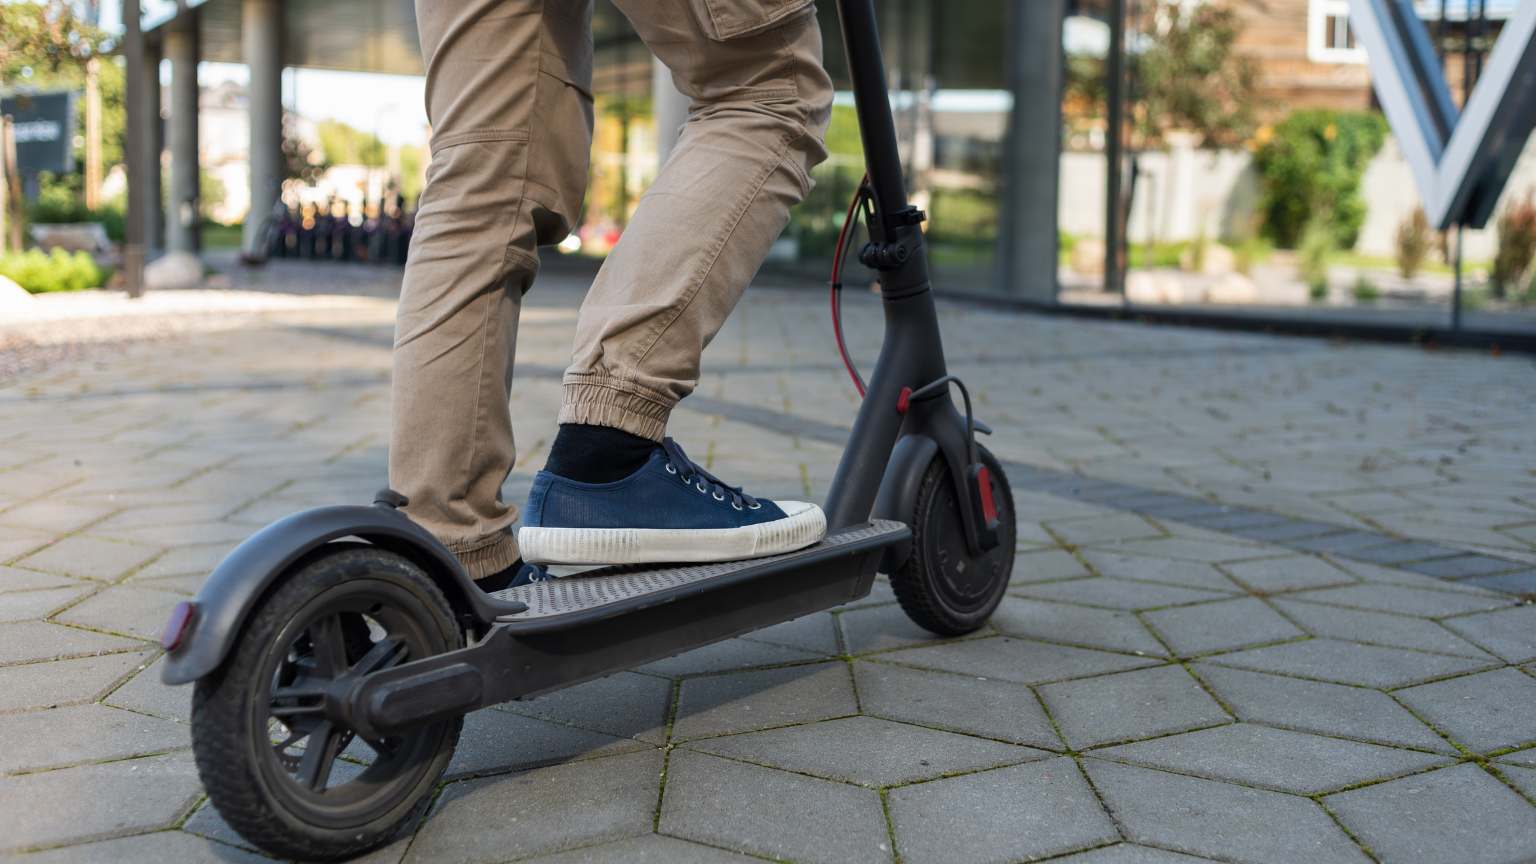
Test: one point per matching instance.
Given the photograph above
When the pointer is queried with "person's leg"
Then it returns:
(761, 102)
(509, 99)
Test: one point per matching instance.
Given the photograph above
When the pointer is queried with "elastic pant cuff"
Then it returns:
(483, 558)
(605, 402)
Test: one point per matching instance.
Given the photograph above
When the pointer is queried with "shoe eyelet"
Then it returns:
(670, 469)
(719, 497)
(735, 506)
(756, 506)
(701, 487)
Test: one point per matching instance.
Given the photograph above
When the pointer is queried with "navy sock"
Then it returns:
(596, 454)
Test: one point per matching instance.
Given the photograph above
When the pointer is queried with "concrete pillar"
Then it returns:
(671, 109)
(262, 45)
(1032, 158)
(181, 48)
(151, 131)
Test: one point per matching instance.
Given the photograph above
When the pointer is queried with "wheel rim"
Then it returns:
(312, 765)
(967, 582)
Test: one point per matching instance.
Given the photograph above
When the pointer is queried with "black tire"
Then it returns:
(942, 587)
(353, 599)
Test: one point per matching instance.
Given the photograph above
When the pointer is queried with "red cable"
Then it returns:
(837, 286)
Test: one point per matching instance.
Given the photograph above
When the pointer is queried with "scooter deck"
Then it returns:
(614, 591)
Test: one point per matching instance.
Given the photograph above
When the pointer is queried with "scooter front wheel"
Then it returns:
(277, 759)
(944, 587)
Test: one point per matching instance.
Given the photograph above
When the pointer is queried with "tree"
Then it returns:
(1187, 75)
(1191, 78)
(47, 46)
(345, 145)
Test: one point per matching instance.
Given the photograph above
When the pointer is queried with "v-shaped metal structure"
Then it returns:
(1461, 160)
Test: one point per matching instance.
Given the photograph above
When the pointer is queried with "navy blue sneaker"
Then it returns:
(670, 510)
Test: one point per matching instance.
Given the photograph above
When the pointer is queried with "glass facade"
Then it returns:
(1262, 182)
(948, 89)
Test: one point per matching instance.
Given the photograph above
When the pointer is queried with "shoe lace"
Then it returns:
(691, 473)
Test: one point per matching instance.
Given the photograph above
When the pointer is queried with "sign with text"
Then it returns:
(45, 130)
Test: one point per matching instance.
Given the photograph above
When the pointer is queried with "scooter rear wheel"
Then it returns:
(943, 587)
(281, 768)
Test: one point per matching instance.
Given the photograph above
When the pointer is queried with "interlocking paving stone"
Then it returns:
(1485, 712)
(1019, 660)
(44, 809)
(147, 694)
(1460, 813)
(1462, 566)
(1403, 601)
(1343, 543)
(1108, 593)
(1099, 530)
(1380, 628)
(1129, 853)
(1509, 633)
(1130, 705)
(816, 633)
(774, 813)
(993, 709)
(1314, 706)
(1290, 573)
(628, 704)
(1522, 582)
(60, 682)
(497, 741)
(1190, 574)
(1375, 574)
(1277, 759)
(1221, 820)
(17, 579)
(156, 848)
(90, 558)
(1010, 814)
(1046, 565)
(132, 611)
(83, 733)
(1283, 532)
(1349, 663)
(22, 641)
(498, 818)
(1186, 549)
(1220, 626)
(881, 628)
(650, 849)
(745, 701)
(866, 750)
(1075, 625)
(27, 605)
(196, 560)
(1524, 778)
(1521, 757)
(727, 655)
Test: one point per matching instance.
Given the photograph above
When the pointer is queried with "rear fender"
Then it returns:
(230, 593)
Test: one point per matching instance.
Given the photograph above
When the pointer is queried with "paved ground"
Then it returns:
(1267, 603)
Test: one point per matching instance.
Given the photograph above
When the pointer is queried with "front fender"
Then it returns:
(897, 499)
(232, 590)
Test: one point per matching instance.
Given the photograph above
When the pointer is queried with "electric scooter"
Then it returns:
(336, 651)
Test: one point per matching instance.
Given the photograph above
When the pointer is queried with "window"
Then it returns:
(1330, 39)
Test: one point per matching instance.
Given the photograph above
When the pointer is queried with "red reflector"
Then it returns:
(988, 506)
(180, 622)
(904, 400)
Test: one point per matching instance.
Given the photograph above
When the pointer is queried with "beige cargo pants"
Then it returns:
(510, 102)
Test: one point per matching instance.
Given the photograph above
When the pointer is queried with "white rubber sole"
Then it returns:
(803, 524)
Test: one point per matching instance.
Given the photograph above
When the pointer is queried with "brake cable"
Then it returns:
(861, 196)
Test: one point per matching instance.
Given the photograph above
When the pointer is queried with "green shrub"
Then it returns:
(1317, 293)
(1516, 230)
(1311, 165)
(1316, 250)
(41, 272)
(1414, 240)
(1365, 291)
(59, 200)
